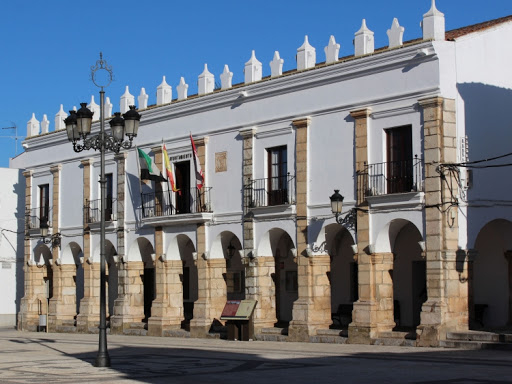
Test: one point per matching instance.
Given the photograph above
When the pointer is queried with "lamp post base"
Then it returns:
(102, 360)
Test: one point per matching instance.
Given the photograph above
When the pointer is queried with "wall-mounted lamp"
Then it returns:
(350, 219)
(54, 239)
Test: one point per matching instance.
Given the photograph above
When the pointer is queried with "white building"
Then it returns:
(423, 245)
(12, 226)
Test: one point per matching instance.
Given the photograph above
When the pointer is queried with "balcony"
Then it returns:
(92, 211)
(390, 178)
(269, 192)
(166, 207)
(36, 216)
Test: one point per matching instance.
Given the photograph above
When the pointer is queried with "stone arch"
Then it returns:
(492, 275)
(343, 274)
(72, 255)
(142, 255)
(387, 235)
(227, 246)
(181, 248)
(284, 275)
(42, 278)
(408, 274)
(112, 271)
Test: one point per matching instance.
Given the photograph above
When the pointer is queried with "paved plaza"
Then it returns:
(68, 358)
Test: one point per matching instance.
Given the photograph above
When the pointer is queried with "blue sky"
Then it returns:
(48, 47)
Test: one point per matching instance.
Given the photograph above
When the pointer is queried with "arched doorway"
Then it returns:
(235, 270)
(285, 277)
(342, 276)
(408, 274)
(188, 277)
(492, 276)
(72, 255)
(43, 281)
(143, 252)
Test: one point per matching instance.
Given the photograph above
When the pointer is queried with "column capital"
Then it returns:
(202, 141)
(28, 173)
(56, 168)
(121, 156)
(156, 150)
(361, 113)
(86, 162)
(302, 122)
(431, 102)
(247, 133)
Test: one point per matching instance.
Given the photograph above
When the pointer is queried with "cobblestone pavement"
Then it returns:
(68, 358)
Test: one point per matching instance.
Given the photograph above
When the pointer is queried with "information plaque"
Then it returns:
(238, 310)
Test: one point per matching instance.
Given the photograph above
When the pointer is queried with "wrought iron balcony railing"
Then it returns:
(390, 177)
(92, 210)
(36, 216)
(269, 191)
(167, 203)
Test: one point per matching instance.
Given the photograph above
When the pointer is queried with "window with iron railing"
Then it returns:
(167, 203)
(390, 177)
(258, 192)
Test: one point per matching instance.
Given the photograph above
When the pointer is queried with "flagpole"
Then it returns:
(140, 179)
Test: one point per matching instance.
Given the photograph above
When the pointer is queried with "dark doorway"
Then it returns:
(183, 198)
(399, 160)
(419, 289)
(44, 204)
(149, 291)
(109, 197)
(277, 176)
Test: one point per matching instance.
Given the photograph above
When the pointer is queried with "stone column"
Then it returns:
(260, 287)
(89, 316)
(88, 319)
(446, 307)
(364, 316)
(247, 176)
(54, 317)
(63, 309)
(28, 319)
(121, 181)
(212, 296)
(129, 306)
(312, 309)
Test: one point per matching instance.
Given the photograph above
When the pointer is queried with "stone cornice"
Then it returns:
(361, 113)
(435, 101)
(301, 123)
(247, 133)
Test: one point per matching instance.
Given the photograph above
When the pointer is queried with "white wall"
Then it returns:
(12, 214)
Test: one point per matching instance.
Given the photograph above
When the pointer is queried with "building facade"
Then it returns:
(421, 248)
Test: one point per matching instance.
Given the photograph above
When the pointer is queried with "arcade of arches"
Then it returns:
(187, 289)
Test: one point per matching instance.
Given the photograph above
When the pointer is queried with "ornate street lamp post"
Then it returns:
(78, 126)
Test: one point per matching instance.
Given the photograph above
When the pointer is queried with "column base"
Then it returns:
(158, 325)
(87, 323)
(199, 329)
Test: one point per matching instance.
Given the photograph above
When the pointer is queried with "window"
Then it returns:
(277, 176)
(109, 197)
(44, 204)
(399, 160)
(183, 198)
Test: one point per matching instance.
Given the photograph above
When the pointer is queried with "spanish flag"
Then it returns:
(168, 168)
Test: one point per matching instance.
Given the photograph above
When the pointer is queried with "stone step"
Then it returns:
(270, 337)
(65, 329)
(135, 332)
(473, 336)
(394, 342)
(176, 333)
(398, 335)
(332, 332)
(274, 331)
(336, 339)
(138, 325)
